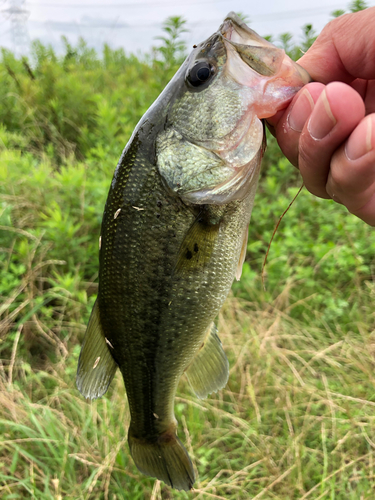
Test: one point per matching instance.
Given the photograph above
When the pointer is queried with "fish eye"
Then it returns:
(200, 73)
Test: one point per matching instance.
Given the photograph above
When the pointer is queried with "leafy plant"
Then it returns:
(296, 418)
(357, 5)
(172, 51)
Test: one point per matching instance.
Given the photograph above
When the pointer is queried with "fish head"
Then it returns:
(210, 149)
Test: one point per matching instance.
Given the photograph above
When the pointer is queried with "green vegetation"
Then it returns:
(297, 419)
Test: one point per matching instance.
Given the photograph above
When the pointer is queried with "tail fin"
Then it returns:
(164, 458)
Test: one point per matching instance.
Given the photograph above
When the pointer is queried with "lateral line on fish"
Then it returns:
(274, 232)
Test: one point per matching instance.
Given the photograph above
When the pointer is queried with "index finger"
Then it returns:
(345, 49)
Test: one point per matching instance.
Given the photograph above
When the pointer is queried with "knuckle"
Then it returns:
(336, 179)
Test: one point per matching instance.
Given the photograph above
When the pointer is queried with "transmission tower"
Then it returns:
(18, 19)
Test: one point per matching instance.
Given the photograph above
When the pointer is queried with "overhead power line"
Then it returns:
(18, 16)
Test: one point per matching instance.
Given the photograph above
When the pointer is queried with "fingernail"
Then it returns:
(301, 111)
(360, 143)
(322, 120)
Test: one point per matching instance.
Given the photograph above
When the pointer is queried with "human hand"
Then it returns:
(328, 130)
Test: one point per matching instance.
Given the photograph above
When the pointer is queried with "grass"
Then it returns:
(296, 420)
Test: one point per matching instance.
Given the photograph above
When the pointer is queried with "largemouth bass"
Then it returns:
(174, 236)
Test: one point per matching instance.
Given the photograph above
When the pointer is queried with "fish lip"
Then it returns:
(226, 30)
(232, 20)
(233, 24)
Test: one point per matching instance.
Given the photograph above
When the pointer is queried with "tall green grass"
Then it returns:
(296, 420)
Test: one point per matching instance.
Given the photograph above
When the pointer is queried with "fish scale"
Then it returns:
(174, 236)
(137, 270)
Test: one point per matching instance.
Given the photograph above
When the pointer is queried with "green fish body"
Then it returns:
(174, 236)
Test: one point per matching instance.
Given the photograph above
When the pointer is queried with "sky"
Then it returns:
(133, 24)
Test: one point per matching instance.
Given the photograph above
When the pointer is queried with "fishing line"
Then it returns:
(274, 232)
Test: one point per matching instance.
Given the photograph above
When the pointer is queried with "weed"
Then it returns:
(296, 420)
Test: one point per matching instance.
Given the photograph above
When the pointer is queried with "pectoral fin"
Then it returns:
(197, 246)
(209, 370)
(96, 366)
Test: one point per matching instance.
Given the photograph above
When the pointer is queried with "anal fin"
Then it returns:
(209, 370)
(96, 366)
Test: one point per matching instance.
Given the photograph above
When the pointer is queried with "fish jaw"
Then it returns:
(270, 75)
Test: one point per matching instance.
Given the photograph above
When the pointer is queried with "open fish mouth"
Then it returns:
(260, 55)
(282, 77)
